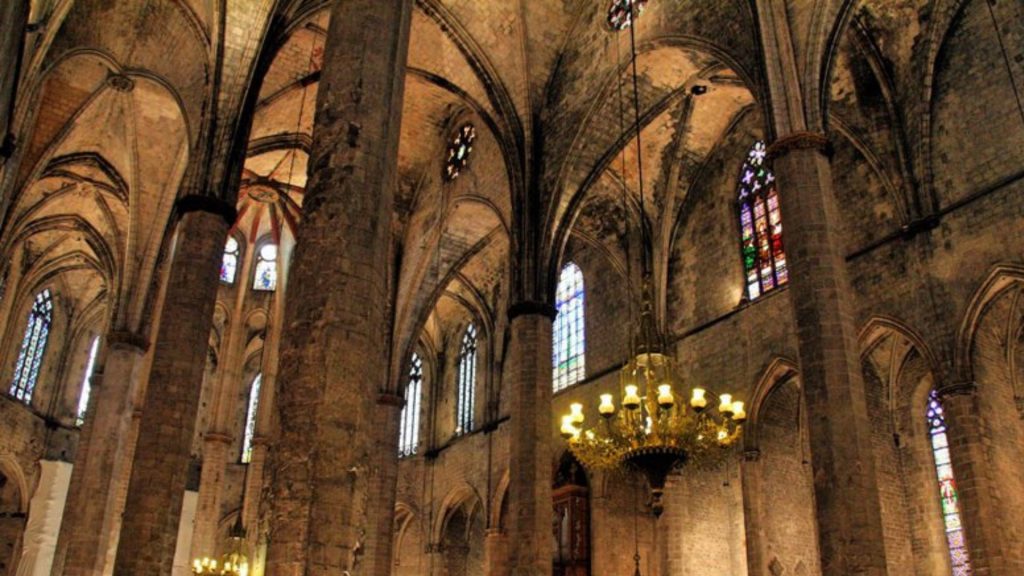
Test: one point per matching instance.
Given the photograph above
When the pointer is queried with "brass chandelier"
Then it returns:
(651, 430)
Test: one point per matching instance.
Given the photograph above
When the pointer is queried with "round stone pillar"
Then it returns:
(531, 430)
(160, 467)
(90, 524)
(850, 534)
(335, 345)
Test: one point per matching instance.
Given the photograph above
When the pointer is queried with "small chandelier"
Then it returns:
(652, 431)
(234, 563)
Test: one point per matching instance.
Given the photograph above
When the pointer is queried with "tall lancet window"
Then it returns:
(229, 261)
(250, 419)
(265, 271)
(83, 398)
(409, 427)
(764, 259)
(567, 356)
(33, 345)
(467, 382)
(958, 557)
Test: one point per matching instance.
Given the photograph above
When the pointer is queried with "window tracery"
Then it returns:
(459, 150)
(83, 398)
(265, 273)
(409, 427)
(620, 14)
(467, 382)
(764, 259)
(937, 433)
(569, 334)
(33, 346)
(229, 261)
(249, 432)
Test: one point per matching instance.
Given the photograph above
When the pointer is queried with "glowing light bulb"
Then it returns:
(698, 401)
(725, 407)
(576, 412)
(631, 400)
(739, 412)
(607, 408)
(567, 429)
(665, 398)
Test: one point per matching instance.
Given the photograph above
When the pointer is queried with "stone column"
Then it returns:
(383, 485)
(208, 504)
(91, 520)
(846, 494)
(161, 463)
(495, 553)
(44, 518)
(531, 430)
(335, 346)
(13, 17)
(985, 525)
(750, 473)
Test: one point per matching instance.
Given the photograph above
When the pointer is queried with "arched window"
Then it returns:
(83, 398)
(409, 428)
(764, 259)
(459, 150)
(33, 345)
(229, 261)
(568, 360)
(958, 557)
(467, 382)
(265, 274)
(250, 419)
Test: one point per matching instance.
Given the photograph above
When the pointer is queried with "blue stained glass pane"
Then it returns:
(568, 339)
(465, 401)
(33, 346)
(265, 276)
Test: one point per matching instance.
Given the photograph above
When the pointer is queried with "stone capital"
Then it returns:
(218, 437)
(800, 141)
(532, 308)
(209, 204)
(126, 340)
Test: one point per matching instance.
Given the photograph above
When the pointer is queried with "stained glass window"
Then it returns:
(764, 260)
(33, 345)
(409, 427)
(459, 150)
(83, 398)
(467, 382)
(620, 14)
(250, 419)
(265, 275)
(958, 557)
(229, 262)
(567, 356)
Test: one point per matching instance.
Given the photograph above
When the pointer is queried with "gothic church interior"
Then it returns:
(392, 287)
